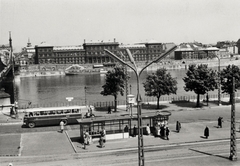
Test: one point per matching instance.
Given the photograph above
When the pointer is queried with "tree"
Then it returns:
(226, 76)
(160, 83)
(114, 84)
(200, 79)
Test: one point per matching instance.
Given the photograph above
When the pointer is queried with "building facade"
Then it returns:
(93, 52)
(195, 51)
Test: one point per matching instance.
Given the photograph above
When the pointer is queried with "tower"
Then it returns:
(29, 43)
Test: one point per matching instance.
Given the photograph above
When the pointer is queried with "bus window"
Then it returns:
(36, 114)
(51, 112)
(59, 111)
(30, 114)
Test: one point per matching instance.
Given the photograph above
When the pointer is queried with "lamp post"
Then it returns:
(138, 74)
(219, 82)
(85, 95)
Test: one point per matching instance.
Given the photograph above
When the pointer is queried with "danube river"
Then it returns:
(49, 90)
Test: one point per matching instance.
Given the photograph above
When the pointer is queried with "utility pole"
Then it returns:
(233, 144)
(13, 74)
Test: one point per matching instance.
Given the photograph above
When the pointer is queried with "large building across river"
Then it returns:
(92, 52)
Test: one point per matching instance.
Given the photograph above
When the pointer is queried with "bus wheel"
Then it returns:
(65, 122)
(31, 124)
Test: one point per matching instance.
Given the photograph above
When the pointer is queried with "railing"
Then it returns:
(192, 98)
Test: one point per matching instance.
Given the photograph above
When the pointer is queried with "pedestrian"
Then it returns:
(104, 135)
(207, 98)
(101, 140)
(61, 126)
(178, 126)
(220, 120)
(167, 133)
(126, 128)
(206, 132)
(85, 140)
(148, 130)
(109, 110)
(134, 131)
(162, 132)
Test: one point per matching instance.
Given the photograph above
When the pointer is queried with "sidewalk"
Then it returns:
(53, 142)
(190, 133)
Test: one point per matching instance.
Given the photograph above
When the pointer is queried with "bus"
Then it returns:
(54, 115)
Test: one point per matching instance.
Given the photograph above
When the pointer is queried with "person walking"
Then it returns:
(178, 126)
(206, 132)
(167, 133)
(61, 126)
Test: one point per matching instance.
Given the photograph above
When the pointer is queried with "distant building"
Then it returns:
(238, 46)
(26, 56)
(228, 46)
(93, 52)
(195, 51)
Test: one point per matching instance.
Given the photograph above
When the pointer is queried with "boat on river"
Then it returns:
(77, 69)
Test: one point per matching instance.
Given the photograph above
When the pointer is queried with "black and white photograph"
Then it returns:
(119, 82)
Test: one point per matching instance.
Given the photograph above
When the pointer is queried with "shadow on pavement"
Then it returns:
(153, 106)
(187, 104)
(209, 154)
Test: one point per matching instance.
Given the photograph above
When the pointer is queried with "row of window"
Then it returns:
(45, 50)
(101, 47)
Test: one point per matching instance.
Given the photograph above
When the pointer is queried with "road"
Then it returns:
(195, 153)
(214, 153)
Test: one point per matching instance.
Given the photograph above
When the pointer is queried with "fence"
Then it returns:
(123, 102)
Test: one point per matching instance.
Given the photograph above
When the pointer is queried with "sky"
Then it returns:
(69, 22)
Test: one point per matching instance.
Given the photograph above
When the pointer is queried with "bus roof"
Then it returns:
(55, 108)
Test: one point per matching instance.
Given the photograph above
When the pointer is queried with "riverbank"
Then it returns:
(59, 69)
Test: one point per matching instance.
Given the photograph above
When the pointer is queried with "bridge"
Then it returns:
(5, 72)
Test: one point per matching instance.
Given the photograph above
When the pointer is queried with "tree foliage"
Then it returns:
(114, 83)
(227, 75)
(160, 83)
(200, 79)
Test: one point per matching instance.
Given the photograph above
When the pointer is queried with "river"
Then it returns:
(47, 90)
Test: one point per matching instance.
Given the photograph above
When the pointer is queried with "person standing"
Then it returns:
(167, 133)
(148, 129)
(220, 122)
(85, 140)
(109, 110)
(206, 132)
(134, 131)
(101, 140)
(61, 126)
(178, 126)
(207, 98)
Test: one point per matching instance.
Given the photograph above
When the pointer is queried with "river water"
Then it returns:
(48, 90)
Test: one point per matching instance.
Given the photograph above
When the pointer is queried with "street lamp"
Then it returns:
(138, 73)
(219, 82)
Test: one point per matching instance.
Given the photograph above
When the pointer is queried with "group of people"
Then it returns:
(87, 139)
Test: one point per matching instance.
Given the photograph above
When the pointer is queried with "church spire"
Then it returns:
(29, 43)
(10, 40)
